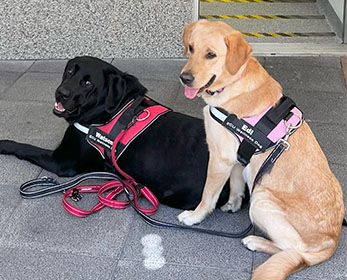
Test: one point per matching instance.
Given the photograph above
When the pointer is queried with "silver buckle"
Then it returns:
(291, 128)
(145, 117)
(284, 142)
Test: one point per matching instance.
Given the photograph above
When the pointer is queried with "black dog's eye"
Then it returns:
(210, 55)
(190, 48)
(70, 71)
(87, 83)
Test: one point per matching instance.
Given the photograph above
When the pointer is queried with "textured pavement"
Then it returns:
(39, 240)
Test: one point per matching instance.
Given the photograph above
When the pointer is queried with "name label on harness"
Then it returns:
(250, 134)
(99, 137)
(247, 129)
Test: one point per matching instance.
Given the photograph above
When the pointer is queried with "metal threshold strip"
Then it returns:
(298, 49)
(260, 1)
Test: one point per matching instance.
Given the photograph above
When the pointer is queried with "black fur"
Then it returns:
(170, 157)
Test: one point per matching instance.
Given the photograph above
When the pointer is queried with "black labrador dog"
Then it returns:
(170, 157)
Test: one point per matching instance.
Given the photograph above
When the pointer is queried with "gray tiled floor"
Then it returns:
(39, 240)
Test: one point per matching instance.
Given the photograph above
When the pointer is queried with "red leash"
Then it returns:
(108, 191)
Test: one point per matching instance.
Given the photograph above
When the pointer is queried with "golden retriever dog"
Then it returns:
(299, 204)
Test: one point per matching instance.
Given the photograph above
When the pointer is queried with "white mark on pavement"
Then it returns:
(153, 250)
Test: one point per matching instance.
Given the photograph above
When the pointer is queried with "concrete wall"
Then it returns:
(48, 29)
(333, 9)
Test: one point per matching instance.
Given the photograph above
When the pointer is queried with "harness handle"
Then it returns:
(75, 211)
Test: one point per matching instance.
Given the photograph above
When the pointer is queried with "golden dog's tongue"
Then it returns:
(190, 92)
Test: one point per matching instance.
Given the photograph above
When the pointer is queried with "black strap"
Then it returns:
(125, 119)
(267, 165)
(281, 110)
(160, 224)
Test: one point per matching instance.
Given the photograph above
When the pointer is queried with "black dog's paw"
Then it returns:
(7, 147)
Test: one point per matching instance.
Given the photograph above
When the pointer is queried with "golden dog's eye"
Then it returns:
(210, 55)
(191, 49)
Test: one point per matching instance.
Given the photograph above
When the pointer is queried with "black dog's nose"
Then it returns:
(187, 78)
(64, 93)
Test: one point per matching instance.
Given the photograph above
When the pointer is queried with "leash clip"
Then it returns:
(292, 128)
(76, 196)
(289, 131)
(47, 179)
(284, 142)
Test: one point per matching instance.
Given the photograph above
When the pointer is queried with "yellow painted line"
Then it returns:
(254, 34)
(289, 34)
(262, 17)
(274, 34)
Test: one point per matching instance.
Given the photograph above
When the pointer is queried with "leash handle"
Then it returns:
(75, 211)
(113, 186)
(45, 186)
(152, 200)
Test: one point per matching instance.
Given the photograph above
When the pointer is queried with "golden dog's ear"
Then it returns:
(186, 35)
(239, 51)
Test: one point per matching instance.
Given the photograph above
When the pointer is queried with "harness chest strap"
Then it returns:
(262, 132)
(102, 137)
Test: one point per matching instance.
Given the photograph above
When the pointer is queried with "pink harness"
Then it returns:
(261, 132)
(280, 130)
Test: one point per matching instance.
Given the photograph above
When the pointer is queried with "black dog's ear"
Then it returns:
(116, 91)
(121, 88)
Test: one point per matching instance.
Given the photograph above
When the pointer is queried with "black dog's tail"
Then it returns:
(344, 223)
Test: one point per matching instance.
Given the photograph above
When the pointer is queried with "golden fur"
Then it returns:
(299, 205)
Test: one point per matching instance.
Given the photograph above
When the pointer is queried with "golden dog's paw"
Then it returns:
(251, 242)
(233, 204)
(189, 218)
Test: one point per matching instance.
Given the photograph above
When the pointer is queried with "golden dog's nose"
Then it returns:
(187, 78)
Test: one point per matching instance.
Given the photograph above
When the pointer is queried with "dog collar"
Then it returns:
(210, 92)
(132, 118)
(261, 132)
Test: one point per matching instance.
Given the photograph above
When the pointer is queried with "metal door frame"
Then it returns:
(196, 8)
(344, 34)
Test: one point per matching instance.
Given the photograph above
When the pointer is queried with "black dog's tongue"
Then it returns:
(59, 107)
